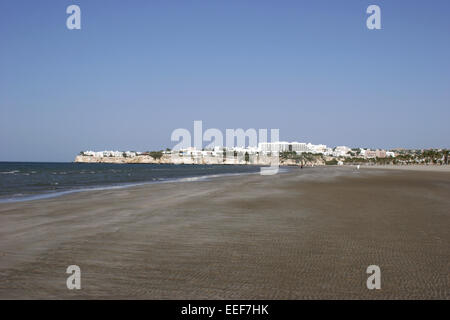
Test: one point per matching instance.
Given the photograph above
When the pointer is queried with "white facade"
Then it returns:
(341, 151)
(105, 153)
(362, 152)
(298, 147)
(268, 147)
(390, 154)
(316, 148)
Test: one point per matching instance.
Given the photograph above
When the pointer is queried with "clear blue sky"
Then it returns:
(137, 70)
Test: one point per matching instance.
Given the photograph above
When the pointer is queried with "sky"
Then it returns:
(138, 70)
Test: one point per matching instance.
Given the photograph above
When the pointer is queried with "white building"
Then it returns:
(341, 151)
(362, 152)
(282, 146)
(316, 148)
(390, 154)
(268, 147)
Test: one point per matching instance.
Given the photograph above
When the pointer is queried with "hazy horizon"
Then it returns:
(137, 71)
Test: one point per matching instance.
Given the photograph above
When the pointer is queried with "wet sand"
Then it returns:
(307, 234)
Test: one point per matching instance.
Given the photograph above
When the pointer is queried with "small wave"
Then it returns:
(10, 172)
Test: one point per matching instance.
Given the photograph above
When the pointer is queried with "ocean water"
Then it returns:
(21, 181)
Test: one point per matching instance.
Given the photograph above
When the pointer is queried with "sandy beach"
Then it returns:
(306, 234)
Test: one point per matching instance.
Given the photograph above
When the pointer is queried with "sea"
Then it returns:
(23, 181)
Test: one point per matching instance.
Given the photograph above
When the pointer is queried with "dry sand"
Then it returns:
(307, 234)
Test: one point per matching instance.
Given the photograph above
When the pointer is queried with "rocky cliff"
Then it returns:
(168, 159)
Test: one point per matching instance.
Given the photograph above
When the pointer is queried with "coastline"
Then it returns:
(123, 185)
(33, 181)
(305, 234)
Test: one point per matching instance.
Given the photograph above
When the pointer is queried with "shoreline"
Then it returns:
(283, 168)
(124, 185)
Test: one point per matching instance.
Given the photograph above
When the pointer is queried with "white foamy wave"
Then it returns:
(10, 172)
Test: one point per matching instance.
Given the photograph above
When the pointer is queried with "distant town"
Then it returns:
(288, 153)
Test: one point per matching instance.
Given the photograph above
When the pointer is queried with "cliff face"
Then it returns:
(168, 159)
(137, 159)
